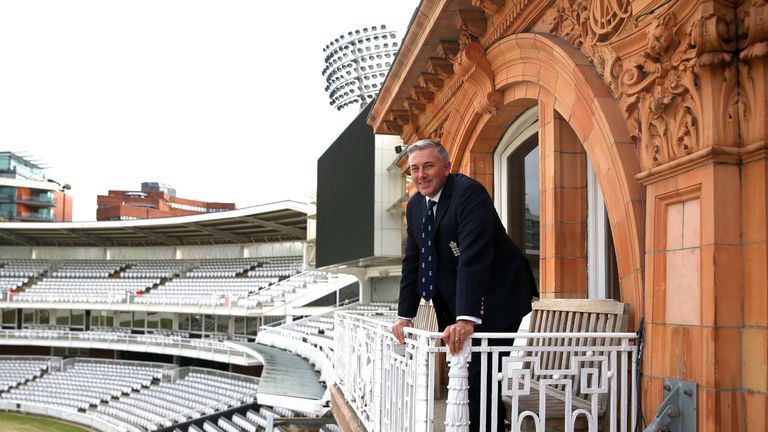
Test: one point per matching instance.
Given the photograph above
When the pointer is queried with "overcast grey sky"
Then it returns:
(222, 99)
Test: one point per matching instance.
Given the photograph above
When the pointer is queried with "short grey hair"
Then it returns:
(428, 144)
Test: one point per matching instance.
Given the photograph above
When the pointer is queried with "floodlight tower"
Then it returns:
(356, 65)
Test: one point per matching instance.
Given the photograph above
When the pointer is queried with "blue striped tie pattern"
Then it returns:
(427, 259)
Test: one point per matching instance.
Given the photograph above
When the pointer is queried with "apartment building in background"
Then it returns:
(26, 195)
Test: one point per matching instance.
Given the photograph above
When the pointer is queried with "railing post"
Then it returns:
(457, 409)
(378, 381)
(422, 385)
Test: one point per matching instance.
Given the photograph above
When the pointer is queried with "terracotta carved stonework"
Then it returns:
(437, 134)
(489, 6)
(474, 70)
(753, 72)
(656, 86)
(589, 26)
(679, 94)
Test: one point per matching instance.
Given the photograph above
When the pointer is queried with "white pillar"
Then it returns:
(457, 410)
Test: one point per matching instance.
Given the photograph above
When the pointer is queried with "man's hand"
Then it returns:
(397, 329)
(455, 335)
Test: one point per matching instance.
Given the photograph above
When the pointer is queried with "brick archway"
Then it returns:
(535, 68)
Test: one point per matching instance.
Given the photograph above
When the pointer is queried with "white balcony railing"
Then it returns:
(392, 387)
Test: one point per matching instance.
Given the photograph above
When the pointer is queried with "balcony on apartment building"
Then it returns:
(33, 217)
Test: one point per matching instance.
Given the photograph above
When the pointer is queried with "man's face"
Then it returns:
(428, 171)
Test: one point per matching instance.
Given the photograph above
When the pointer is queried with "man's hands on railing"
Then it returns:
(454, 335)
(397, 329)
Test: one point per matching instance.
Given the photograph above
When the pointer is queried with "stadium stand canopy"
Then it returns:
(278, 221)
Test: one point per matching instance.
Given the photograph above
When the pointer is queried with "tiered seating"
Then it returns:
(280, 267)
(227, 425)
(23, 268)
(85, 290)
(114, 420)
(244, 423)
(199, 393)
(259, 419)
(12, 282)
(229, 281)
(85, 383)
(214, 282)
(41, 331)
(223, 268)
(203, 291)
(154, 269)
(227, 387)
(103, 329)
(283, 290)
(318, 326)
(86, 269)
(15, 371)
(210, 427)
(114, 414)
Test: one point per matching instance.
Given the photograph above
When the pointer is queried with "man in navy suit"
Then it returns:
(479, 282)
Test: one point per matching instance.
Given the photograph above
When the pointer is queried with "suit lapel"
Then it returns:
(445, 200)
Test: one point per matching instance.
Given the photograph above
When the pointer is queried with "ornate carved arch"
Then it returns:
(528, 67)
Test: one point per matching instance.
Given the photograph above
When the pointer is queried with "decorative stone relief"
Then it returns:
(406, 119)
(589, 25)
(656, 86)
(431, 81)
(474, 69)
(415, 106)
(753, 71)
(447, 49)
(440, 67)
(490, 7)
(472, 21)
(679, 94)
(437, 134)
(423, 94)
(392, 127)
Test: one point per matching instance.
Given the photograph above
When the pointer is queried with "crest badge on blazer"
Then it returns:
(454, 248)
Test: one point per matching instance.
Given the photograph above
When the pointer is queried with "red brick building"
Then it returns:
(155, 200)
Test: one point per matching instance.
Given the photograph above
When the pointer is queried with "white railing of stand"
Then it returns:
(391, 387)
(198, 348)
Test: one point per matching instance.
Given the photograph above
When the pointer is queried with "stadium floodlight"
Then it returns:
(356, 64)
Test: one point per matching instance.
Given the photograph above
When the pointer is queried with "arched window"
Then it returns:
(516, 184)
(517, 200)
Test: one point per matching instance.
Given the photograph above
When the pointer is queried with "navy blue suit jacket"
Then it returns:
(489, 279)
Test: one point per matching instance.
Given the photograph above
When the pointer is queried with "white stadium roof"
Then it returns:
(279, 221)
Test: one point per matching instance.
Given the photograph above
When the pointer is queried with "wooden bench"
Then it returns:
(566, 316)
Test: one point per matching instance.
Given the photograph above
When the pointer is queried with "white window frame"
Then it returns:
(525, 126)
(597, 237)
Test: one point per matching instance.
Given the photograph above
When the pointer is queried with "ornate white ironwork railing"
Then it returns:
(547, 379)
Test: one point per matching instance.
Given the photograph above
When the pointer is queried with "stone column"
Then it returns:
(701, 189)
(563, 198)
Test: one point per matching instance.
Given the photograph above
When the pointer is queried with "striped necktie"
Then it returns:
(428, 262)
